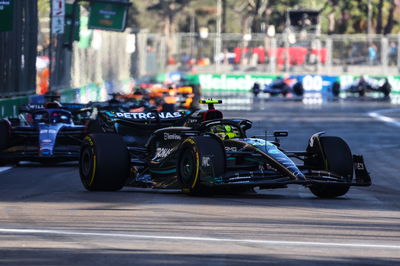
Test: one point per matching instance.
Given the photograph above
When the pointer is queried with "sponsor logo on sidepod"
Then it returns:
(168, 136)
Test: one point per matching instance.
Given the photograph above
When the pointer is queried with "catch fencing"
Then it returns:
(110, 57)
(294, 53)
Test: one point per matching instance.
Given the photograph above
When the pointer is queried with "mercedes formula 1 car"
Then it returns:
(201, 152)
(123, 103)
(46, 133)
(364, 85)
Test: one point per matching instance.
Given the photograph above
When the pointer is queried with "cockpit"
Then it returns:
(226, 131)
(52, 116)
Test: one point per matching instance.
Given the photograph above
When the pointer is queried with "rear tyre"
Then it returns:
(104, 162)
(361, 90)
(298, 89)
(199, 158)
(386, 89)
(340, 161)
(4, 135)
(4, 140)
(336, 89)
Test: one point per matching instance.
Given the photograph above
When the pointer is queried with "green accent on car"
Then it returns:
(169, 171)
(210, 101)
(252, 160)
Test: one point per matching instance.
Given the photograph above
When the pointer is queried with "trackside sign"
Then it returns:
(6, 15)
(107, 16)
(232, 82)
(311, 83)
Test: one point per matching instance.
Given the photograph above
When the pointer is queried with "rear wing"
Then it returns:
(185, 90)
(72, 107)
(75, 107)
(28, 108)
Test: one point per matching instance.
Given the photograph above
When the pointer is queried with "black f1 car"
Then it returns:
(280, 86)
(48, 132)
(200, 152)
(365, 84)
(121, 103)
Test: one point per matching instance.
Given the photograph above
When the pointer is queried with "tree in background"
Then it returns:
(167, 11)
(348, 17)
(337, 16)
(330, 8)
(133, 20)
(390, 20)
(252, 14)
(257, 15)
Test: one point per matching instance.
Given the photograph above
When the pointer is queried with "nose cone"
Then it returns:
(47, 138)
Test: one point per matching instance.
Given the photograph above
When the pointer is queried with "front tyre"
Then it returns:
(5, 142)
(104, 162)
(200, 158)
(4, 135)
(339, 160)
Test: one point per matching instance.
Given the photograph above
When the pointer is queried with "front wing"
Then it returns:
(271, 178)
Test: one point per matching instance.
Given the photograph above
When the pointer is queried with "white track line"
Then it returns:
(378, 115)
(203, 239)
(2, 169)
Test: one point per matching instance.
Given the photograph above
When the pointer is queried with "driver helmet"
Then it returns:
(224, 132)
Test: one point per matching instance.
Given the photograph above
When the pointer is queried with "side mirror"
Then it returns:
(246, 124)
(282, 133)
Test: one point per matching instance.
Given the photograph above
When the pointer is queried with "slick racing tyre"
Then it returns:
(104, 163)
(200, 157)
(362, 90)
(4, 135)
(4, 139)
(340, 161)
(386, 89)
(335, 89)
(298, 89)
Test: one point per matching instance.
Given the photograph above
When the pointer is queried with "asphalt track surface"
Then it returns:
(47, 218)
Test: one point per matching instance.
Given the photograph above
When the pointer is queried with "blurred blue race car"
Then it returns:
(281, 86)
(45, 133)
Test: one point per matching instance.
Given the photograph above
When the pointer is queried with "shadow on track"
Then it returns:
(126, 256)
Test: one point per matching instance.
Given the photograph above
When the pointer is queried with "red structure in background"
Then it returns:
(297, 55)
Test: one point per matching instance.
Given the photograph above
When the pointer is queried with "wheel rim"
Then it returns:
(187, 166)
(86, 163)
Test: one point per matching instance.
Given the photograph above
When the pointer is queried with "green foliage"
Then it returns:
(351, 16)
(133, 21)
(43, 8)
